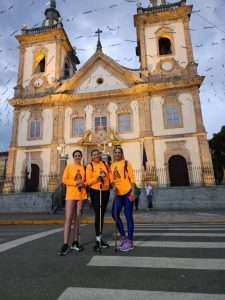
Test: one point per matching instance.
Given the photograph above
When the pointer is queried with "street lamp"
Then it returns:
(63, 157)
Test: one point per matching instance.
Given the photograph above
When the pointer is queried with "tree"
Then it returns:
(217, 147)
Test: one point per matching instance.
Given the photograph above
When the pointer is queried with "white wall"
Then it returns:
(132, 153)
(46, 158)
(190, 143)
(152, 44)
(50, 63)
(188, 113)
(99, 71)
(21, 159)
(24, 116)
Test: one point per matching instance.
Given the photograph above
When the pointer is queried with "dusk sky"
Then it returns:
(115, 17)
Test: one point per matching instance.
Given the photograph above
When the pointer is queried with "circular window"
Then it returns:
(100, 81)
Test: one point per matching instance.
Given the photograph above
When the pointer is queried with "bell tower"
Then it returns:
(163, 36)
(46, 56)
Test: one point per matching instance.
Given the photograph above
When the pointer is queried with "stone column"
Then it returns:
(20, 78)
(112, 108)
(57, 140)
(145, 117)
(143, 54)
(89, 111)
(188, 40)
(58, 62)
(198, 111)
(10, 169)
(206, 160)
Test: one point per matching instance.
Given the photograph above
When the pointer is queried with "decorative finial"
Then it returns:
(139, 4)
(99, 45)
(52, 16)
(52, 4)
(157, 2)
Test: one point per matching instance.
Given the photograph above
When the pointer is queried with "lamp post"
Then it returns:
(105, 155)
(63, 157)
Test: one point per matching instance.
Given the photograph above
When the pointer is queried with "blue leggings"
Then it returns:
(118, 204)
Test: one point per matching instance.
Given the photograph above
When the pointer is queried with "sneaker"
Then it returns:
(104, 245)
(127, 246)
(97, 247)
(77, 246)
(64, 250)
(122, 241)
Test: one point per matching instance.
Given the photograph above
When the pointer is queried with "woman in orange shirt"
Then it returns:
(97, 178)
(74, 179)
(122, 180)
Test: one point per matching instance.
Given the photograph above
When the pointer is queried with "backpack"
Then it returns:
(92, 167)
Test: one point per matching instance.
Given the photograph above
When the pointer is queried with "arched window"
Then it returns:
(35, 129)
(173, 118)
(124, 123)
(165, 46)
(100, 123)
(40, 63)
(78, 126)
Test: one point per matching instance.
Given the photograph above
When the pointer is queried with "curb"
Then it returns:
(107, 221)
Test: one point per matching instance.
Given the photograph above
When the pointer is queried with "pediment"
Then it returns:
(100, 73)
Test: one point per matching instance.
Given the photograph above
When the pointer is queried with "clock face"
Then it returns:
(38, 82)
(167, 66)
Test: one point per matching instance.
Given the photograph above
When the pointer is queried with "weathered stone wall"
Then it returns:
(25, 203)
(190, 198)
(187, 198)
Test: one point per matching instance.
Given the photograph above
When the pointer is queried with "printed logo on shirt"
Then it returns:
(116, 174)
(78, 176)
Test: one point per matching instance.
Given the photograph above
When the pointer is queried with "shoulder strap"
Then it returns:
(107, 167)
(125, 168)
(89, 164)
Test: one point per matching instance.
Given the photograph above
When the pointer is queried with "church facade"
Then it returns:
(153, 111)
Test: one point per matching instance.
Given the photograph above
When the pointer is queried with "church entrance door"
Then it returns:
(32, 182)
(178, 171)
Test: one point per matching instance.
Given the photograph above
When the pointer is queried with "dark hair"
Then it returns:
(77, 151)
(94, 150)
(119, 148)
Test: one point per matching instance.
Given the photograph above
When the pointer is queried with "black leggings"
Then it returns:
(95, 199)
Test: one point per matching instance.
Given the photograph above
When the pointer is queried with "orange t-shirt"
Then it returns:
(122, 182)
(92, 175)
(72, 174)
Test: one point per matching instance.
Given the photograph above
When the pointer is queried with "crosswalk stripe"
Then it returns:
(18, 242)
(179, 234)
(168, 244)
(158, 262)
(115, 294)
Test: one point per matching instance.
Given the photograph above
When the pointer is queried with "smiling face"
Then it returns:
(77, 156)
(96, 155)
(118, 154)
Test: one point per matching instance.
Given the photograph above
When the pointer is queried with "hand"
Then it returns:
(101, 179)
(80, 185)
(132, 197)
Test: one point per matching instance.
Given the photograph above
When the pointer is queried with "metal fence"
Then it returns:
(158, 177)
